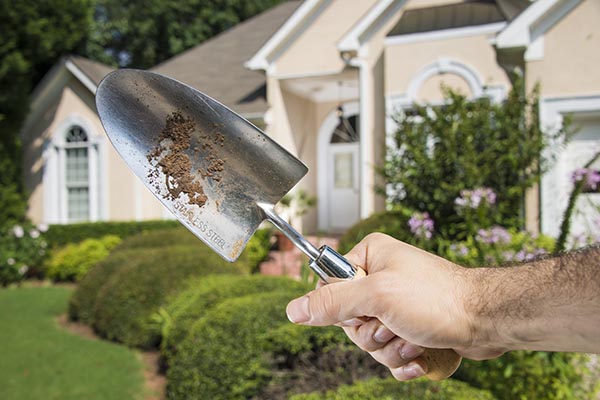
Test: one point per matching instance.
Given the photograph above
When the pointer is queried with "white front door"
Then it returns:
(343, 181)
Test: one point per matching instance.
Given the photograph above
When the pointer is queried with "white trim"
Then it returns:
(87, 82)
(377, 16)
(260, 60)
(54, 188)
(445, 34)
(522, 31)
(323, 141)
(535, 51)
(441, 66)
(552, 112)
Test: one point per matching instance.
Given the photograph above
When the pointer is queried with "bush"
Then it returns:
(389, 389)
(22, 252)
(73, 261)
(83, 299)
(393, 223)
(133, 294)
(61, 235)
(223, 357)
(203, 293)
(527, 375)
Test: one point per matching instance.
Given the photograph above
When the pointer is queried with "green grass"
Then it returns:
(40, 360)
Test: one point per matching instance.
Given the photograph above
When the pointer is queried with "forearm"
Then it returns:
(551, 304)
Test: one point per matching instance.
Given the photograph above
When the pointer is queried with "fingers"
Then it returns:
(371, 252)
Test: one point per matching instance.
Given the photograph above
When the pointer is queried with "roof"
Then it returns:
(216, 67)
(451, 16)
(95, 71)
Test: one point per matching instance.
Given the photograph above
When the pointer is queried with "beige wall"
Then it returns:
(120, 183)
(315, 50)
(571, 59)
(405, 61)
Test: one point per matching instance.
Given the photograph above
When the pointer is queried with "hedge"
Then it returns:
(60, 235)
(205, 292)
(222, 357)
(390, 389)
(127, 301)
(73, 261)
(393, 223)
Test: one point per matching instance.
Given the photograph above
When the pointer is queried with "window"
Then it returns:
(77, 182)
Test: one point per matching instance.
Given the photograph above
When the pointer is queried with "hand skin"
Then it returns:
(412, 299)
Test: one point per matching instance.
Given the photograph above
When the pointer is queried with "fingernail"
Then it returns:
(410, 351)
(351, 322)
(413, 370)
(383, 335)
(297, 311)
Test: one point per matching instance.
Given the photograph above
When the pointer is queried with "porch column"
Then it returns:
(372, 132)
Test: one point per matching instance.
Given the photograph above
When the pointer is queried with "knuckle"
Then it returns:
(323, 305)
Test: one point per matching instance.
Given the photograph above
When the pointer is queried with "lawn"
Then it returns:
(40, 360)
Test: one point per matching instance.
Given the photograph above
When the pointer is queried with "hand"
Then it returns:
(408, 299)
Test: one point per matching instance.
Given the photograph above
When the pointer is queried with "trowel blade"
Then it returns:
(206, 164)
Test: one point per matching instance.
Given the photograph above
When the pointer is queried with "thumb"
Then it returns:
(331, 304)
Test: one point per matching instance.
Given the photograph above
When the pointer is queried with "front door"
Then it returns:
(343, 181)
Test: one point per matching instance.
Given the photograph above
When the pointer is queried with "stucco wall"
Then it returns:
(315, 50)
(404, 62)
(571, 54)
(117, 183)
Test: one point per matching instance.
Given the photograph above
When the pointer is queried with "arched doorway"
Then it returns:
(339, 177)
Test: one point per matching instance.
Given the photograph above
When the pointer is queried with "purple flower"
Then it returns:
(421, 225)
(494, 235)
(590, 177)
(459, 249)
(475, 198)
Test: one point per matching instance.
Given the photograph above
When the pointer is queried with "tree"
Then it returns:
(34, 36)
(141, 34)
(464, 145)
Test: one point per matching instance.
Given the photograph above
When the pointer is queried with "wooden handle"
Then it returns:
(441, 363)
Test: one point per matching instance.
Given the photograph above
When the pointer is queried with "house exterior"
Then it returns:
(323, 78)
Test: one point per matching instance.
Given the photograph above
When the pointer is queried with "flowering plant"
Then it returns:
(589, 177)
(421, 225)
(22, 249)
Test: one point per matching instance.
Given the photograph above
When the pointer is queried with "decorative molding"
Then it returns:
(323, 141)
(445, 34)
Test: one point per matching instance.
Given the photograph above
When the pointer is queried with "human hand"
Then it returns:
(409, 299)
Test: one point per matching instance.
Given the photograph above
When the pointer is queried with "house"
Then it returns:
(323, 77)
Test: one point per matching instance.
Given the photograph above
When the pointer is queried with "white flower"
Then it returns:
(10, 261)
(42, 227)
(18, 231)
(34, 233)
(23, 269)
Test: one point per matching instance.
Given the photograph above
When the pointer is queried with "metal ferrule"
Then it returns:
(331, 266)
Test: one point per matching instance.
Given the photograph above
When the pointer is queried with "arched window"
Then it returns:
(77, 174)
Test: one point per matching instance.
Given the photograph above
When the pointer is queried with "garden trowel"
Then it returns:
(216, 172)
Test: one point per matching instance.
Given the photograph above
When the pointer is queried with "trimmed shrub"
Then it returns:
(223, 357)
(60, 235)
(73, 261)
(177, 236)
(83, 299)
(527, 375)
(393, 223)
(127, 301)
(205, 292)
(389, 389)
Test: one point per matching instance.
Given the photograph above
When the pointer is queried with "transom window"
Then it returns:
(77, 182)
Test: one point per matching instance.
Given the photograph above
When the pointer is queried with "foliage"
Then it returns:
(389, 389)
(222, 356)
(34, 36)
(527, 375)
(42, 360)
(82, 302)
(61, 235)
(393, 223)
(127, 301)
(141, 34)
(467, 144)
(257, 249)
(204, 293)
(22, 251)
(73, 261)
